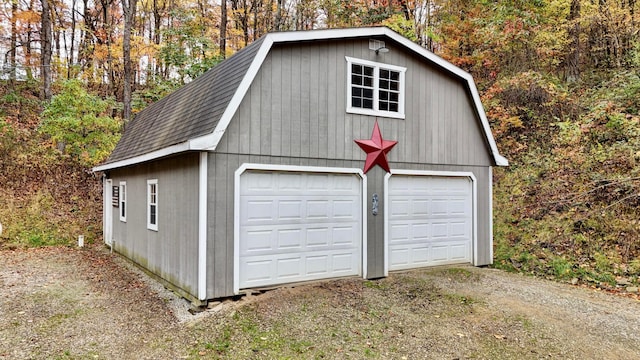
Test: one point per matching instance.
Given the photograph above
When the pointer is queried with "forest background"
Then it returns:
(559, 80)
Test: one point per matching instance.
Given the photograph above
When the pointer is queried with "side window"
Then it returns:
(375, 89)
(123, 201)
(152, 204)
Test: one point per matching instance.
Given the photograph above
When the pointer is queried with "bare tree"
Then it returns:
(223, 28)
(45, 41)
(129, 9)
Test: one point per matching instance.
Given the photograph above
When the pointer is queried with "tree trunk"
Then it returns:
(14, 42)
(129, 9)
(70, 58)
(279, 15)
(223, 28)
(572, 60)
(45, 43)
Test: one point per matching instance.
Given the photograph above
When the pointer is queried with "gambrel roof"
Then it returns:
(195, 117)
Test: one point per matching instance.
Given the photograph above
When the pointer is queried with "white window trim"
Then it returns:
(123, 201)
(151, 226)
(377, 66)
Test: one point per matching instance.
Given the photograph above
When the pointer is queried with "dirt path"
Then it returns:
(584, 323)
(60, 303)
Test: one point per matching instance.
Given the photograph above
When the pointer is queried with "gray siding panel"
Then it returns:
(301, 120)
(172, 252)
(221, 213)
(441, 126)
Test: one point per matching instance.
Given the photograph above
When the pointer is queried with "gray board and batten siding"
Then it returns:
(171, 253)
(292, 113)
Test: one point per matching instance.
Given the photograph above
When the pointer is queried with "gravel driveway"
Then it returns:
(62, 303)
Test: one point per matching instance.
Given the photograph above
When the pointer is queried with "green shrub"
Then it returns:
(81, 124)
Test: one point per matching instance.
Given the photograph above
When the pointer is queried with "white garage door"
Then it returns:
(430, 221)
(298, 226)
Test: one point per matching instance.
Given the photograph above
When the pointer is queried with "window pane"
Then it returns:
(368, 81)
(384, 84)
(395, 75)
(356, 91)
(356, 80)
(367, 104)
(384, 74)
(368, 70)
(384, 95)
(393, 85)
(367, 93)
(356, 102)
(393, 107)
(152, 214)
(356, 69)
(122, 214)
(384, 106)
(394, 97)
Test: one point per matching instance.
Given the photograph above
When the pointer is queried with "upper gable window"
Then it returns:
(375, 89)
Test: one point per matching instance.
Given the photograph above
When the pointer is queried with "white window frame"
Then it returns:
(123, 201)
(151, 226)
(376, 89)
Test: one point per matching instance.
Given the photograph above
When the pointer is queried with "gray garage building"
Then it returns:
(249, 176)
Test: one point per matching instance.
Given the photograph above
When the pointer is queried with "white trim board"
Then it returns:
(293, 168)
(211, 140)
(203, 174)
(474, 199)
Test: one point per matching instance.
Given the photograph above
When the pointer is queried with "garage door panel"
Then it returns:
(290, 210)
(259, 210)
(399, 208)
(399, 232)
(289, 239)
(430, 221)
(318, 209)
(317, 237)
(295, 211)
(313, 229)
(282, 268)
(345, 209)
(459, 229)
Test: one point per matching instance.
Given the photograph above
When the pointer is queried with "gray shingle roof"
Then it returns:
(187, 113)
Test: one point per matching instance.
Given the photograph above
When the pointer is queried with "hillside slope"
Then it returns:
(46, 198)
(567, 207)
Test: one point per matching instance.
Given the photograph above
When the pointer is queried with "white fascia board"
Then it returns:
(170, 150)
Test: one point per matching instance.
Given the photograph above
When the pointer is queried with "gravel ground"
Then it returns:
(62, 303)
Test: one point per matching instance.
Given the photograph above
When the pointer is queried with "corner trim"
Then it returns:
(202, 226)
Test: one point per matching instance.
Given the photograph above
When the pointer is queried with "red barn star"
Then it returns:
(376, 149)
